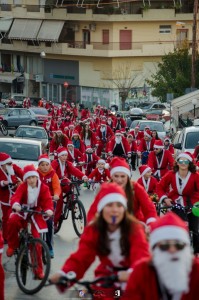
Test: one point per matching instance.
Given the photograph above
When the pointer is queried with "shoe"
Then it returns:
(10, 252)
(39, 275)
(51, 253)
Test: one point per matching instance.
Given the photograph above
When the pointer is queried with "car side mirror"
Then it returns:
(178, 146)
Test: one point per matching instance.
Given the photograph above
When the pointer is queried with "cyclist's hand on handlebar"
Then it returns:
(49, 212)
(55, 197)
(123, 276)
(55, 278)
(5, 182)
(129, 155)
(168, 202)
(16, 207)
(85, 178)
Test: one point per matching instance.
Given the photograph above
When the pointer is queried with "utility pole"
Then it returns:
(194, 45)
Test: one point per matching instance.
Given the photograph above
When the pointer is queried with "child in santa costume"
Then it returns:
(34, 194)
(183, 181)
(77, 142)
(145, 146)
(168, 145)
(74, 155)
(148, 182)
(49, 177)
(133, 149)
(138, 203)
(160, 160)
(2, 275)
(64, 170)
(10, 177)
(100, 173)
(172, 272)
(103, 239)
(90, 159)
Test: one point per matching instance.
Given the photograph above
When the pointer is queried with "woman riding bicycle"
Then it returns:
(114, 237)
(183, 181)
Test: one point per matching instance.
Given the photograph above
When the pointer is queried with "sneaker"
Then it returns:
(51, 253)
(39, 275)
(10, 252)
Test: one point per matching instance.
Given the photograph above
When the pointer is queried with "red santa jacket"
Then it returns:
(26, 103)
(142, 284)
(149, 185)
(98, 176)
(54, 145)
(143, 208)
(179, 194)
(171, 149)
(121, 123)
(7, 191)
(43, 203)
(88, 250)
(69, 133)
(91, 142)
(162, 167)
(85, 114)
(144, 147)
(124, 143)
(92, 163)
(109, 133)
(133, 146)
(68, 171)
(137, 136)
(75, 156)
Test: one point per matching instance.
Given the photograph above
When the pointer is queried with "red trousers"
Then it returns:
(6, 210)
(59, 207)
(2, 278)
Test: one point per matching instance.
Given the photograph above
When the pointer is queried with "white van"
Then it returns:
(188, 139)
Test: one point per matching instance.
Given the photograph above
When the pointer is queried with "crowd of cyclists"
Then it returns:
(147, 252)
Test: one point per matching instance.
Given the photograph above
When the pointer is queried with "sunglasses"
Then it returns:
(155, 149)
(166, 246)
(181, 161)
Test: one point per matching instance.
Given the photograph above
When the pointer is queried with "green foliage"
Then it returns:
(173, 75)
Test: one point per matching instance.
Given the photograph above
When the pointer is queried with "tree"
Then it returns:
(174, 74)
(123, 80)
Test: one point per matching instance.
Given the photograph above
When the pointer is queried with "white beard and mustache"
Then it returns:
(10, 170)
(102, 129)
(174, 274)
(118, 139)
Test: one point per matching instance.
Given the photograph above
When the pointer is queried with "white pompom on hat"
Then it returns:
(29, 171)
(5, 158)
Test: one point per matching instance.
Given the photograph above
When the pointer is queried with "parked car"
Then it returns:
(187, 140)
(157, 114)
(134, 114)
(153, 125)
(41, 113)
(22, 151)
(13, 117)
(156, 105)
(33, 133)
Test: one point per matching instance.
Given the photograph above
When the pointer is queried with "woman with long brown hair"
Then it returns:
(59, 140)
(88, 136)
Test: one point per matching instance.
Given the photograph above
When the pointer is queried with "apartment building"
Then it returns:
(87, 45)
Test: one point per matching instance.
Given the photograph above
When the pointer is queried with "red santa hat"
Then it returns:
(109, 193)
(119, 165)
(43, 157)
(169, 227)
(89, 148)
(186, 155)
(61, 151)
(75, 133)
(147, 132)
(29, 170)
(71, 125)
(103, 123)
(118, 132)
(70, 143)
(158, 144)
(144, 169)
(5, 158)
(167, 139)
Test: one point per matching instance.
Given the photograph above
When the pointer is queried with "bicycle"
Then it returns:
(97, 288)
(3, 128)
(73, 204)
(28, 260)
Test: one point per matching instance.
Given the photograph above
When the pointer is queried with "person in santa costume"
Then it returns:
(48, 125)
(49, 177)
(88, 136)
(100, 173)
(119, 123)
(137, 135)
(57, 124)
(26, 103)
(103, 134)
(119, 145)
(58, 140)
(12, 103)
(172, 273)
(133, 149)
(55, 113)
(74, 155)
(90, 159)
(138, 203)
(77, 142)
(160, 160)
(34, 194)
(114, 237)
(74, 111)
(64, 170)
(66, 122)
(183, 183)
(85, 113)
(70, 130)
(96, 122)
(168, 145)
(10, 177)
(2, 275)
(145, 146)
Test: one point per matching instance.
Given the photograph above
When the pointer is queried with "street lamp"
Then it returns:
(194, 102)
(65, 86)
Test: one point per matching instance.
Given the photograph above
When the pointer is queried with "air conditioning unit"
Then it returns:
(92, 27)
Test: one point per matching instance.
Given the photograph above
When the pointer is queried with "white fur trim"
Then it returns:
(101, 161)
(110, 198)
(185, 156)
(120, 169)
(145, 133)
(62, 153)
(169, 233)
(30, 173)
(149, 220)
(162, 198)
(1, 250)
(8, 160)
(157, 146)
(44, 159)
(145, 171)
(37, 226)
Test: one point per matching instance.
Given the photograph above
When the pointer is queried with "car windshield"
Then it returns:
(39, 111)
(153, 126)
(4, 111)
(134, 123)
(192, 140)
(31, 133)
(21, 151)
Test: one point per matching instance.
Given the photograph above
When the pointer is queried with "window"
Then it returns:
(24, 112)
(14, 112)
(165, 29)
(105, 36)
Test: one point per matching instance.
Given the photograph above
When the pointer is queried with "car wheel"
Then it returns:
(33, 123)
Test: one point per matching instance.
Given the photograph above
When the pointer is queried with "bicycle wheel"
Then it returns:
(4, 130)
(33, 266)
(59, 223)
(78, 217)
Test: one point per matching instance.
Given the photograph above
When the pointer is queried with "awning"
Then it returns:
(24, 29)
(50, 31)
(5, 24)
(8, 78)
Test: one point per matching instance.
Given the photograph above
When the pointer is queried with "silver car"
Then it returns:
(13, 117)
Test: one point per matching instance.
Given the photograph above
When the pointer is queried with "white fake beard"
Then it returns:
(174, 274)
(118, 139)
(10, 170)
(102, 129)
